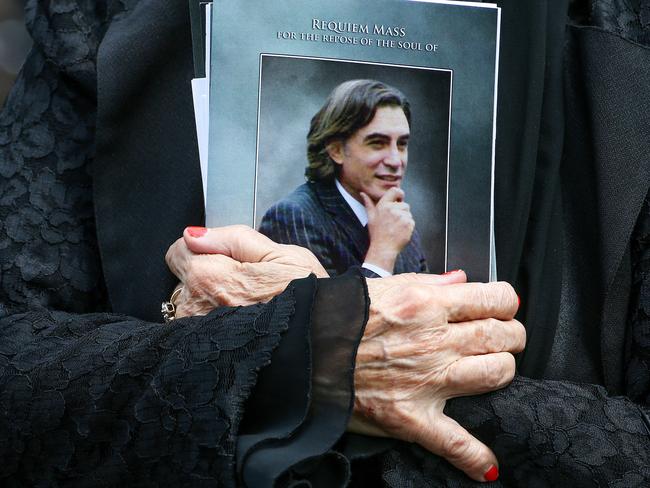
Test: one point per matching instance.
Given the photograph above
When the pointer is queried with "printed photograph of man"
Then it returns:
(353, 211)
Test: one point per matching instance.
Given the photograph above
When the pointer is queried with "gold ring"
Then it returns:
(168, 309)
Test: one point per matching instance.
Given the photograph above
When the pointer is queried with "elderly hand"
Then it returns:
(425, 343)
(429, 338)
(234, 266)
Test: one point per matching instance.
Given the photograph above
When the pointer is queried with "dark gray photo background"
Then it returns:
(294, 89)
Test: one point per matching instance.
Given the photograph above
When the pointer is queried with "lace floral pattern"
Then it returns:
(544, 433)
(47, 236)
(146, 404)
(628, 18)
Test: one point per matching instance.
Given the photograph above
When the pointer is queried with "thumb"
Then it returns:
(447, 438)
(367, 202)
(239, 242)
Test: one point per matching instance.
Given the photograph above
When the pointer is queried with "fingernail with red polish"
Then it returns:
(452, 272)
(492, 474)
(196, 231)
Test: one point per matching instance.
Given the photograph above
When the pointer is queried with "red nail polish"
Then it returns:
(196, 231)
(452, 272)
(518, 300)
(492, 474)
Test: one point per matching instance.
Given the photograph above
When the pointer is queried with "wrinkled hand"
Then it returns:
(390, 226)
(425, 343)
(234, 265)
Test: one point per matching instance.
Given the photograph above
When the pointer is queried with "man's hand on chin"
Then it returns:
(390, 227)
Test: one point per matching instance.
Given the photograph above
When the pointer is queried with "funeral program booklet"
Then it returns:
(272, 65)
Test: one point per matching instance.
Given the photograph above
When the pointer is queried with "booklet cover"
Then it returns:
(273, 65)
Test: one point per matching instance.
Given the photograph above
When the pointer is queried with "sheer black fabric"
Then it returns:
(275, 435)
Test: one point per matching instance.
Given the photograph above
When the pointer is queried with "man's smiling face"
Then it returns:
(374, 158)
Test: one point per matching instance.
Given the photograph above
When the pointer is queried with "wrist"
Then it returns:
(382, 257)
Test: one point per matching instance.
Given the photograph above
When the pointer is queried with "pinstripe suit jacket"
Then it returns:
(316, 216)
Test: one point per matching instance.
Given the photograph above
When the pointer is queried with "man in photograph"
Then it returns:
(352, 210)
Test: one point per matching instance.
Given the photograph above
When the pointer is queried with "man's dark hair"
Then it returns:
(350, 106)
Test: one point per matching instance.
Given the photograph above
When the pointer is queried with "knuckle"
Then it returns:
(520, 333)
(500, 373)
(410, 300)
(454, 378)
(417, 296)
(455, 446)
(485, 296)
(171, 253)
(489, 333)
(510, 368)
(481, 332)
(493, 374)
(508, 296)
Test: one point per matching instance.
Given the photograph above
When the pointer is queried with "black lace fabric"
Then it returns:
(104, 400)
(48, 248)
(628, 18)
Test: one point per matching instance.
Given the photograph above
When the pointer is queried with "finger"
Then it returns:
(446, 438)
(449, 278)
(367, 202)
(473, 375)
(485, 336)
(188, 305)
(177, 258)
(239, 242)
(471, 301)
(402, 207)
(393, 194)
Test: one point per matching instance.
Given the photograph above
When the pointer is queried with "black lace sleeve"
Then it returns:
(106, 400)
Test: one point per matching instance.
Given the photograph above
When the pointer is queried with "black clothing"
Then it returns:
(90, 398)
